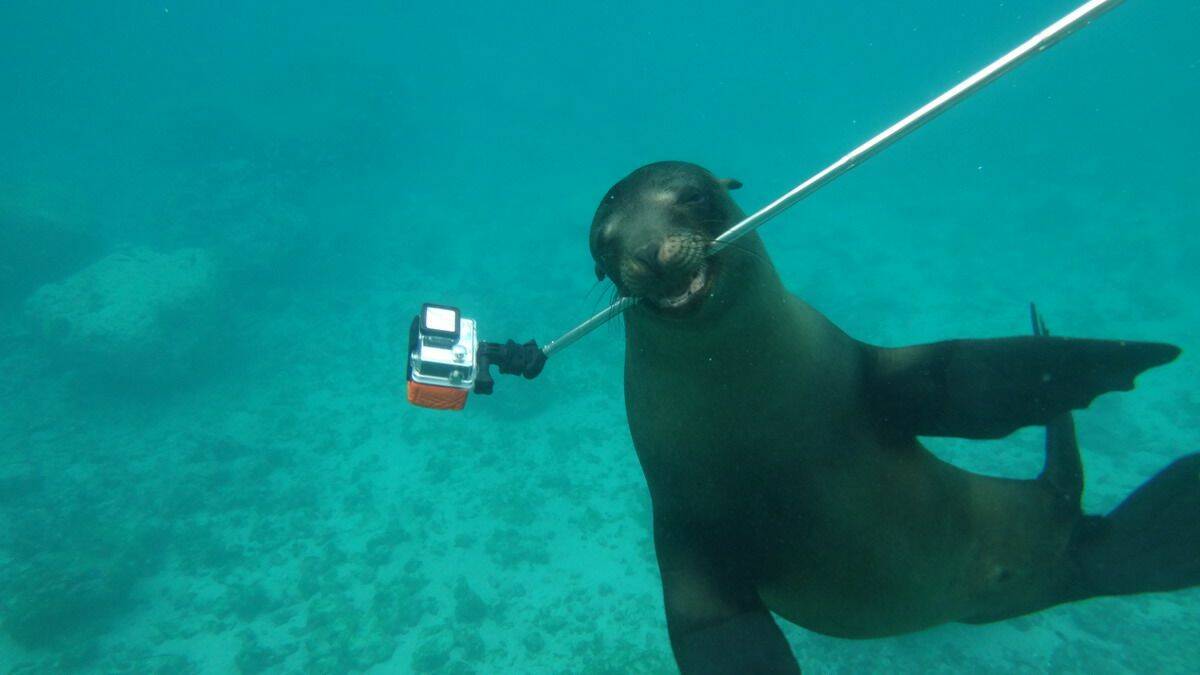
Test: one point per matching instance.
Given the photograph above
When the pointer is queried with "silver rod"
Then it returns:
(1038, 43)
(572, 336)
(1056, 31)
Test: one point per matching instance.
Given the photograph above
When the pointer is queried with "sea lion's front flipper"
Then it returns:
(990, 388)
(715, 619)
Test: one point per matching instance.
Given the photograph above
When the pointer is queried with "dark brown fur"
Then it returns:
(779, 475)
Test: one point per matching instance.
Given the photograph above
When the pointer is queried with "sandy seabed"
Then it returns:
(286, 511)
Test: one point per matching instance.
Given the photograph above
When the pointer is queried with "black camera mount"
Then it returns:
(511, 359)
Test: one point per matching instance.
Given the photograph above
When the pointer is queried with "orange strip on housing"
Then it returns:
(438, 398)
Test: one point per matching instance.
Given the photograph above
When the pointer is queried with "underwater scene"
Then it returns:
(219, 219)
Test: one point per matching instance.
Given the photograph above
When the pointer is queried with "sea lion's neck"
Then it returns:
(749, 302)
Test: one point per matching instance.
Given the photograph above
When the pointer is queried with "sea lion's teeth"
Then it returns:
(693, 287)
(675, 301)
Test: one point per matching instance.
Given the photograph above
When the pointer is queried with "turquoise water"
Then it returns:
(216, 221)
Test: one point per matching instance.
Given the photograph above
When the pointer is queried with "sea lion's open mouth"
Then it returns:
(689, 293)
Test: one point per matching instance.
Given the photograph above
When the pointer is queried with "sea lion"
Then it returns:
(783, 463)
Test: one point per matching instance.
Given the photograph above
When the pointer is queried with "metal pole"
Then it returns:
(572, 336)
(1056, 31)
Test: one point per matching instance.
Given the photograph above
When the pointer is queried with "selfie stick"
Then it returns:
(1056, 31)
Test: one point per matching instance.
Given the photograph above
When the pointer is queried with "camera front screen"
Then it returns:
(440, 321)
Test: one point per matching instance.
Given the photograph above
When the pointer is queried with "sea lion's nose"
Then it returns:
(649, 257)
(670, 253)
(640, 268)
(660, 256)
(653, 263)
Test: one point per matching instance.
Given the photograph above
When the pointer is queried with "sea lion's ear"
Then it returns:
(599, 272)
(730, 183)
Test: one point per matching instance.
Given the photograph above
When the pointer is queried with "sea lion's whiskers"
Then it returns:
(740, 248)
(598, 284)
(607, 290)
(616, 293)
(710, 241)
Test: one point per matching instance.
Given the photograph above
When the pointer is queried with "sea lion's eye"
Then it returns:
(690, 195)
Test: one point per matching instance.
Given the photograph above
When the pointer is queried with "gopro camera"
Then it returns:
(446, 359)
(442, 363)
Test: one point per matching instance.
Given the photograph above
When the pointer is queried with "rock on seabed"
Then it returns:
(137, 313)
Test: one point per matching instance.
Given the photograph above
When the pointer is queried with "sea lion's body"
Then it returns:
(782, 456)
(835, 516)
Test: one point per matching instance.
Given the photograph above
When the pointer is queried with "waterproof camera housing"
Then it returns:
(447, 360)
(442, 358)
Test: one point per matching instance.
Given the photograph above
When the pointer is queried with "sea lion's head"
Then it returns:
(652, 232)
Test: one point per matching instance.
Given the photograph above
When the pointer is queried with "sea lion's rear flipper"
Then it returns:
(990, 388)
(1063, 470)
(715, 619)
(1150, 543)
